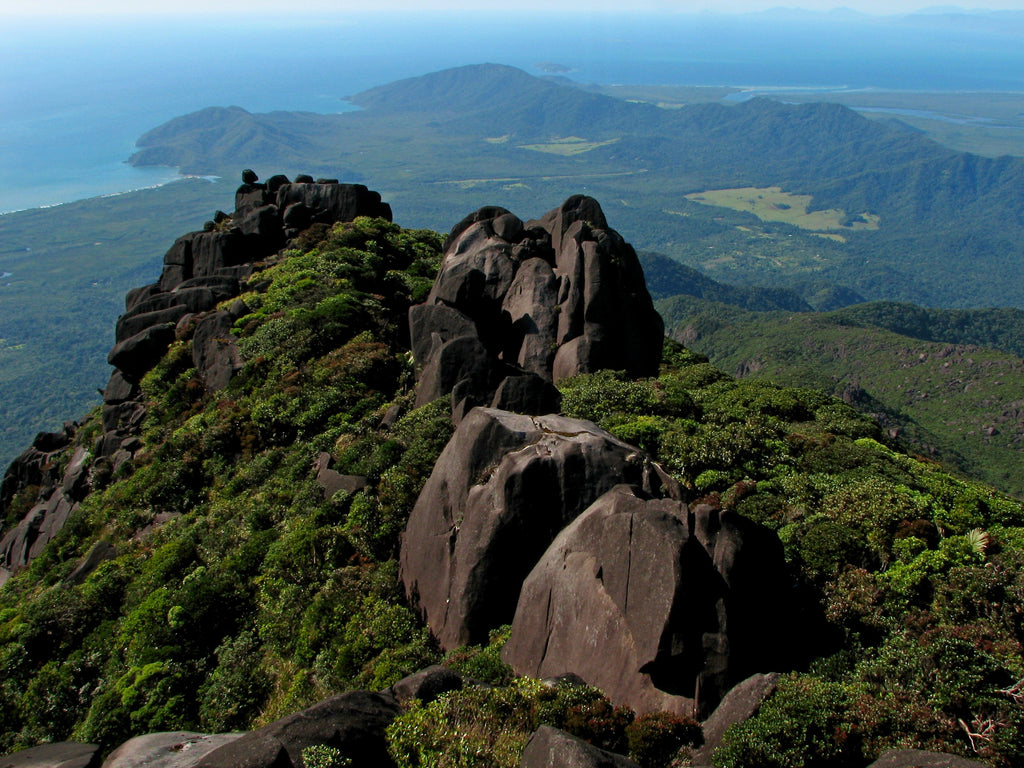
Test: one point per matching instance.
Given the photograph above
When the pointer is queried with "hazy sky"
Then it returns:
(135, 7)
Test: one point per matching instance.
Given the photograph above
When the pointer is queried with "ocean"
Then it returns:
(75, 96)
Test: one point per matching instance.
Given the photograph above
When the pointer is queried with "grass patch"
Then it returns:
(772, 204)
(567, 146)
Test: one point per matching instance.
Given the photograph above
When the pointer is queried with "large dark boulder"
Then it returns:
(551, 748)
(139, 353)
(198, 299)
(555, 297)
(215, 351)
(661, 606)
(740, 704)
(426, 685)
(130, 324)
(502, 489)
(328, 203)
(26, 540)
(353, 723)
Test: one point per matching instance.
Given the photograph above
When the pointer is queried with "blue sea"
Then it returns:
(75, 96)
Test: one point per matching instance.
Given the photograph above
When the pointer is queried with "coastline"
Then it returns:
(178, 177)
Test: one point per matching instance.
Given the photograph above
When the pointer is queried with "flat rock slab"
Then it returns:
(173, 749)
(917, 758)
(60, 754)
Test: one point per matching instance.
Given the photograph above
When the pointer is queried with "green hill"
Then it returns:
(949, 227)
(945, 226)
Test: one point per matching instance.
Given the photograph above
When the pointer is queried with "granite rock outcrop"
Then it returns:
(519, 306)
(201, 270)
(501, 491)
(659, 604)
(578, 539)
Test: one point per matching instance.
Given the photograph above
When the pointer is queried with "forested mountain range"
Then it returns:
(949, 222)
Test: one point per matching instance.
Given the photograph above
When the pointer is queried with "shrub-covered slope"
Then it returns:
(920, 371)
(236, 592)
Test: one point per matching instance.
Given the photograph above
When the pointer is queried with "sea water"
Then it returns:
(75, 96)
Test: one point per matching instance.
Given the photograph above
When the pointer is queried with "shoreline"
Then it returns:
(178, 178)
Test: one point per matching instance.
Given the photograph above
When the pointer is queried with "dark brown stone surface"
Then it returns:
(60, 754)
(174, 749)
(916, 758)
(740, 704)
(556, 297)
(551, 748)
(661, 606)
(353, 722)
(502, 489)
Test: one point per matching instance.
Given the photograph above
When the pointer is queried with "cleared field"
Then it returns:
(772, 204)
(570, 145)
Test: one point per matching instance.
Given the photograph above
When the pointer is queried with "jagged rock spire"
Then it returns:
(519, 306)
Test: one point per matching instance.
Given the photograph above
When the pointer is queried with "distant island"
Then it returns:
(553, 68)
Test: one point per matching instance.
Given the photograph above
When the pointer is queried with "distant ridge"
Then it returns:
(505, 99)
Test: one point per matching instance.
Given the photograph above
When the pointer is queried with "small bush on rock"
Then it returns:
(659, 739)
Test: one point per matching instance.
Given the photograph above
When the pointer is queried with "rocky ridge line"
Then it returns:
(536, 520)
(201, 270)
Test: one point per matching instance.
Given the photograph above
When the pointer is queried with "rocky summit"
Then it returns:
(519, 306)
(580, 538)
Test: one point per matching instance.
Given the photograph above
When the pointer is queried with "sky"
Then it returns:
(194, 7)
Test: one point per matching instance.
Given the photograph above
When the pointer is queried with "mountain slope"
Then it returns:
(212, 582)
(960, 402)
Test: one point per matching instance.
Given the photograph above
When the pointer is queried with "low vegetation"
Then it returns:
(919, 371)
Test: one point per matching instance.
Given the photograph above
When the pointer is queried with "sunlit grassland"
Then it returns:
(772, 204)
(567, 146)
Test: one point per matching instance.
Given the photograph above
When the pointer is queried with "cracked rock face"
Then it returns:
(545, 299)
(503, 488)
(661, 606)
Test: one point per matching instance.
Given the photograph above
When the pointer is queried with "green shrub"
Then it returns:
(235, 689)
(598, 396)
(804, 724)
(324, 756)
(657, 738)
(480, 726)
(483, 663)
